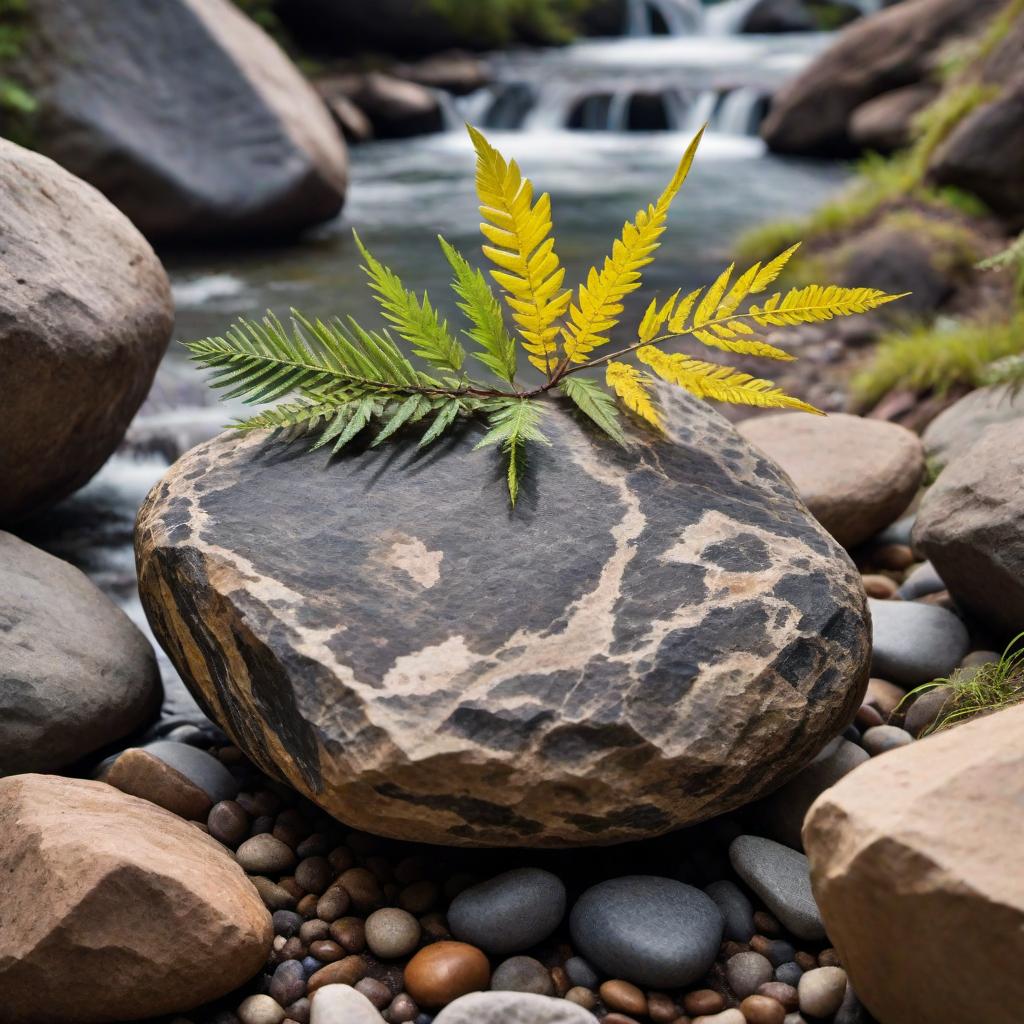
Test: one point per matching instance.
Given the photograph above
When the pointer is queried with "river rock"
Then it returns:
(85, 317)
(918, 867)
(509, 913)
(175, 776)
(700, 647)
(75, 672)
(856, 475)
(342, 1004)
(885, 123)
(888, 50)
(797, 15)
(958, 428)
(396, 108)
(737, 913)
(915, 643)
(115, 909)
(512, 1008)
(969, 526)
(227, 137)
(779, 876)
(652, 931)
(781, 815)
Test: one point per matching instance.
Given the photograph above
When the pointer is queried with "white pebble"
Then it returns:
(260, 1010)
(821, 991)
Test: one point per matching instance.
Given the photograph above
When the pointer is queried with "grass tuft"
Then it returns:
(979, 691)
(938, 358)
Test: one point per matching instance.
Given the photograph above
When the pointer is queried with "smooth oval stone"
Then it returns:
(512, 1008)
(509, 913)
(915, 643)
(652, 931)
(736, 910)
(883, 738)
(923, 580)
(747, 972)
(441, 972)
(680, 644)
(342, 1004)
(522, 974)
(781, 877)
(821, 991)
(581, 974)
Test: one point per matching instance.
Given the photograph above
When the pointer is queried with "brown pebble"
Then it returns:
(762, 1010)
(441, 972)
(619, 1018)
(868, 717)
(730, 949)
(264, 855)
(344, 972)
(362, 887)
(333, 904)
(805, 961)
(307, 905)
(435, 926)
(293, 949)
(781, 993)
(228, 823)
(582, 997)
(560, 980)
(378, 993)
(313, 846)
(760, 943)
(350, 933)
(327, 951)
(894, 557)
(259, 804)
(660, 1008)
(703, 1002)
(884, 696)
(621, 995)
(314, 874)
(293, 887)
(392, 933)
(766, 924)
(314, 931)
(340, 859)
(876, 585)
(418, 897)
(273, 895)
(829, 958)
(403, 1008)
(298, 1011)
(230, 755)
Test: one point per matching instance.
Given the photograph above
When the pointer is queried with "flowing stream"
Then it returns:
(600, 124)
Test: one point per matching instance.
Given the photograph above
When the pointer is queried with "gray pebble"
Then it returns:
(821, 991)
(781, 878)
(882, 738)
(265, 855)
(581, 974)
(522, 974)
(747, 972)
(789, 973)
(923, 580)
(915, 643)
(736, 910)
(509, 913)
(288, 983)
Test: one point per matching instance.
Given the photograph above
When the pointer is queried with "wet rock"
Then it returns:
(652, 931)
(264, 159)
(885, 123)
(512, 1008)
(894, 48)
(100, 889)
(956, 429)
(914, 643)
(75, 672)
(509, 913)
(969, 526)
(396, 108)
(176, 776)
(470, 745)
(85, 317)
(856, 475)
(780, 877)
(917, 855)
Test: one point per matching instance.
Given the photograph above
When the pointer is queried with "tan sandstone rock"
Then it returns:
(856, 475)
(917, 865)
(113, 909)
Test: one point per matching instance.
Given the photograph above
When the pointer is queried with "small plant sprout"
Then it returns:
(979, 690)
(340, 378)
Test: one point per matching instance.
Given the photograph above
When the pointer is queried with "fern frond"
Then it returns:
(415, 319)
(722, 383)
(595, 403)
(599, 302)
(307, 413)
(480, 304)
(681, 313)
(767, 274)
(445, 417)
(656, 316)
(721, 337)
(815, 303)
(632, 385)
(528, 268)
(512, 425)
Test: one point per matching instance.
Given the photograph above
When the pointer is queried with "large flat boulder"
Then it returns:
(651, 638)
(917, 865)
(186, 114)
(971, 527)
(115, 909)
(856, 475)
(85, 317)
(894, 48)
(75, 672)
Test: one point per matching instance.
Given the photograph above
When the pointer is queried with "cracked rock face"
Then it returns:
(651, 638)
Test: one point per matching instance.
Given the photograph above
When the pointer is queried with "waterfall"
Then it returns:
(663, 17)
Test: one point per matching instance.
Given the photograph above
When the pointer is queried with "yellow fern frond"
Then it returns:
(677, 323)
(528, 267)
(732, 337)
(722, 383)
(655, 317)
(709, 304)
(599, 301)
(816, 303)
(632, 385)
(770, 271)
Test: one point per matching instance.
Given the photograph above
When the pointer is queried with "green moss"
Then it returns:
(980, 690)
(936, 359)
(498, 22)
(17, 104)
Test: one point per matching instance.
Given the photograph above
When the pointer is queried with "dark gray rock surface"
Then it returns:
(651, 638)
(75, 673)
(736, 910)
(509, 913)
(914, 643)
(651, 931)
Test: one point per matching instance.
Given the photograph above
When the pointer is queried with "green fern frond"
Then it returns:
(483, 309)
(596, 404)
(512, 425)
(415, 319)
